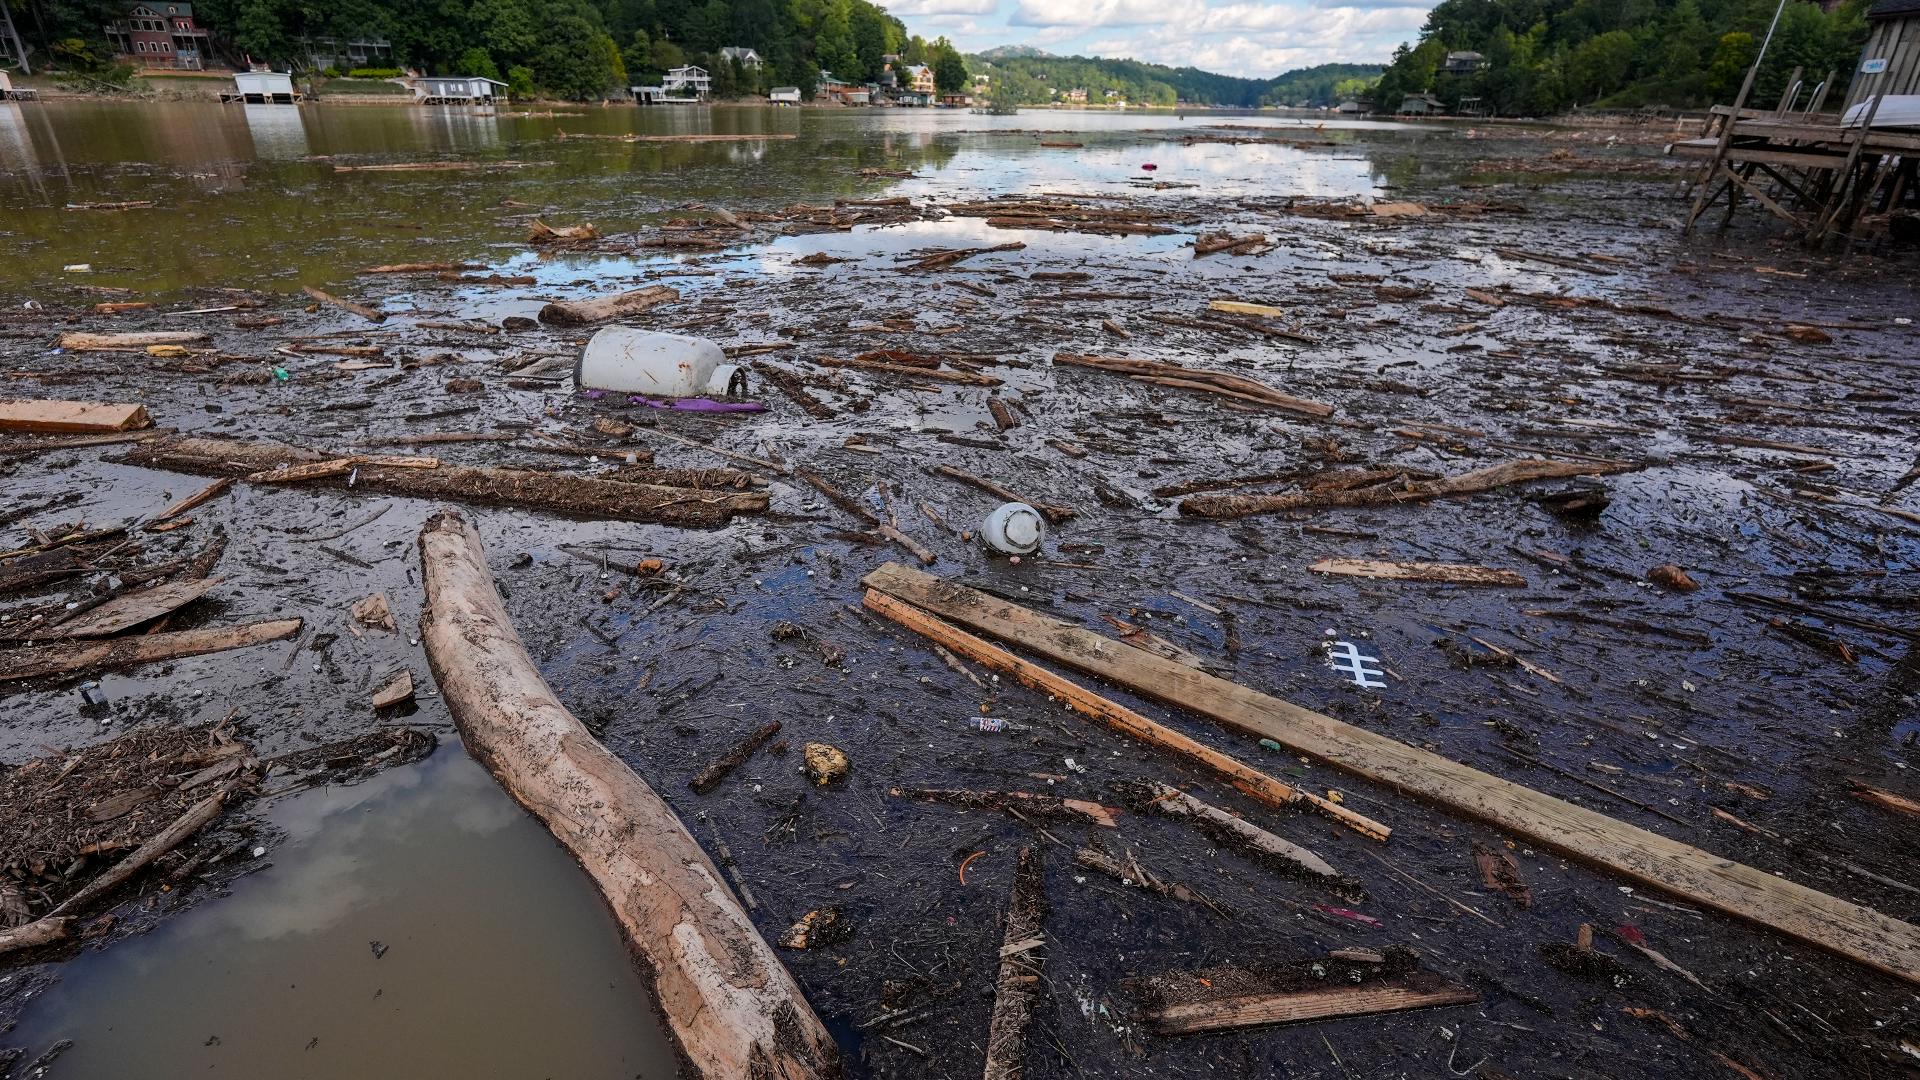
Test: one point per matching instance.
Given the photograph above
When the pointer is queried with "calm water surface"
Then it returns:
(248, 195)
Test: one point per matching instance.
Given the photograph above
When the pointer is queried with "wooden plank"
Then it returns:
(24, 414)
(73, 658)
(1444, 573)
(1850, 930)
(1259, 1010)
(1247, 779)
(131, 609)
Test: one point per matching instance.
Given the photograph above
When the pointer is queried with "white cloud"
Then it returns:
(930, 8)
(1090, 13)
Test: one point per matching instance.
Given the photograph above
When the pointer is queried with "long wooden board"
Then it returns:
(18, 414)
(1259, 1010)
(1852, 931)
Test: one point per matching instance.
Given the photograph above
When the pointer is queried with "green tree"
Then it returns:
(1728, 69)
(949, 68)
(475, 61)
(520, 83)
(1600, 65)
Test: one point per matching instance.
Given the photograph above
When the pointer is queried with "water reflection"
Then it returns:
(279, 134)
(494, 943)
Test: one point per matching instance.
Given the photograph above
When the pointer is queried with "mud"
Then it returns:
(1763, 396)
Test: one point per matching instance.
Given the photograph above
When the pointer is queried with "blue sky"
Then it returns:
(1232, 37)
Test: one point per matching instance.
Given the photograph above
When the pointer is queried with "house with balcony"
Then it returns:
(1462, 63)
(160, 35)
(746, 57)
(347, 53)
(917, 78)
(689, 81)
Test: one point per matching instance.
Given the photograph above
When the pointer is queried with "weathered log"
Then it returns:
(78, 342)
(578, 495)
(1468, 483)
(1440, 573)
(192, 820)
(362, 310)
(212, 490)
(36, 933)
(730, 1006)
(1216, 382)
(1052, 512)
(1022, 959)
(71, 659)
(601, 309)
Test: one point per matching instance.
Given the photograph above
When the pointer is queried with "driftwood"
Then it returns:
(730, 1006)
(1161, 373)
(77, 342)
(1468, 483)
(71, 659)
(617, 306)
(1130, 872)
(1444, 573)
(130, 609)
(796, 391)
(362, 310)
(423, 268)
(71, 416)
(1022, 803)
(1053, 513)
(1249, 780)
(579, 495)
(212, 490)
(1022, 961)
(710, 777)
(1238, 835)
(940, 260)
(1701, 877)
(539, 232)
(958, 378)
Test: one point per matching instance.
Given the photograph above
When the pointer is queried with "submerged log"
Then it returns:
(732, 1009)
(580, 495)
(1468, 483)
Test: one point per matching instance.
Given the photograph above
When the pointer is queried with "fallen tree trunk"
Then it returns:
(732, 1009)
(1022, 960)
(1468, 483)
(1850, 930)
(580, 495)
(72, 659)
(617, 306)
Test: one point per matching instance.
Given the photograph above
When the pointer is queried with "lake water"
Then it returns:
(248, 196)
(497, 958)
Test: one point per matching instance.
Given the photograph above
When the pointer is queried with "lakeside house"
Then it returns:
(919, 79)
(159, 35)
(785, 95)
(1421, 105)
(1350, 107)
(1076, 96)
(689, 79)
(745, 57)
(956, 101)
(262, 88)
(360, 52)
(458, 90)
(1462, 63)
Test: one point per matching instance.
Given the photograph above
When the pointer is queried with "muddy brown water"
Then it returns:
(417, 924)
(1736, 715)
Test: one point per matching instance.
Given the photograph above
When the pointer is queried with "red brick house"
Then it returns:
(160, 34)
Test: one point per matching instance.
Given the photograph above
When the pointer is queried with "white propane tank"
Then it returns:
(631, 361)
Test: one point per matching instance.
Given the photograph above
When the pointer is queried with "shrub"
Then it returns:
(374, 73)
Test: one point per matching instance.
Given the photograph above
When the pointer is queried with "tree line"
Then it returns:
(574, 49)
(1028, 78)
(1544, 57)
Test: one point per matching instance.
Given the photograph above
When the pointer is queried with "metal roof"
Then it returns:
(1894, 9)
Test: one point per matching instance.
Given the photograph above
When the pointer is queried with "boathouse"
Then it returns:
(262, 88)
(458, 90)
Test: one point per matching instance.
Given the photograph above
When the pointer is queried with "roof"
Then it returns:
(1894, 9)
(1465, 55)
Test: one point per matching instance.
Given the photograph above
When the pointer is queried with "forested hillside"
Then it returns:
(568, 48)
(1546, 56)
(1028, 76)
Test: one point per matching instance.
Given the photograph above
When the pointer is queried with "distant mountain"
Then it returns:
(1030, 77)
(1013, 52)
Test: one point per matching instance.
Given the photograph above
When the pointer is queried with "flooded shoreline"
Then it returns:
(1756, 399)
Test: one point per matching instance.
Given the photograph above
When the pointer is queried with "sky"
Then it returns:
(1231, 37)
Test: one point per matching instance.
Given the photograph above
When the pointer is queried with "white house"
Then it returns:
(458, 90)
(748, 58)
(648, 95)
(692, 77)
(785, 95)
(263, 88)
